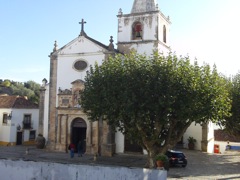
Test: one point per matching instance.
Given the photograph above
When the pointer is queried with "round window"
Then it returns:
(80, 65)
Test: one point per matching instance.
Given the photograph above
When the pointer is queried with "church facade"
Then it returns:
(62, 120)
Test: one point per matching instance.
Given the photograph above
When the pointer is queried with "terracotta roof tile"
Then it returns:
(16, 102)
(221, 135)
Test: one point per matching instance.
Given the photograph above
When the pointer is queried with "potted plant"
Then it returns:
(191, 142)
(161, 160)
(40, 141)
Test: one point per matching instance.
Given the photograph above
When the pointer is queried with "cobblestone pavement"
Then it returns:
(208, 166)
(200, 165)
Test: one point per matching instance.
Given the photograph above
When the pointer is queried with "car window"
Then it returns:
(179, 155)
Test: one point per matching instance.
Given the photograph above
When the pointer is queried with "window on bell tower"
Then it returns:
(164, 34)
(137, 31)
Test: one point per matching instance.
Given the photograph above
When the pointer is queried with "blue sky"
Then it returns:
(204, 29)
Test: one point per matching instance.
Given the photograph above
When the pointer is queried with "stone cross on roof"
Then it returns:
(82, 33)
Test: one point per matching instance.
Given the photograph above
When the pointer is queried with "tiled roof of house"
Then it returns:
(17, 102)
(221, 135)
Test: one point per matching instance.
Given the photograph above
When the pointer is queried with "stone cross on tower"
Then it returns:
(82, 33)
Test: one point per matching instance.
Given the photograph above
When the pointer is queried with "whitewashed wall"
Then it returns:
(125, 27)
(4, 128)
(8, 132)
(223, 144)
(80, 48)
(151, 24)
(28, 170)
(119, 139)
(46, 113)
(196, 132)
(210, 147)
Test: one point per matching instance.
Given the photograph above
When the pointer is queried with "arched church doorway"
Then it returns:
(78, 132)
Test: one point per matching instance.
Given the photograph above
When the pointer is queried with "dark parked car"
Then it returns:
(176, 158)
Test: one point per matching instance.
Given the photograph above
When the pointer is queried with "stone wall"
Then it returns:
(29, 170)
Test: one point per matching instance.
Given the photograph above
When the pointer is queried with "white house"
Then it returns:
(19, 120)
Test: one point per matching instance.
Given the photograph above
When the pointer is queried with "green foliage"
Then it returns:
(6, 83)
(30, 89)
(232, 123)
(191, 140)
(161, 157)
(153, 100)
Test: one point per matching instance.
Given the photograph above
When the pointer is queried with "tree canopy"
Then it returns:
(232, 123)
(30, 89)
(153, 100)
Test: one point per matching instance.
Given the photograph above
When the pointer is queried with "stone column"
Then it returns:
(108, 145)
(52, 99)
(41, 109)
(204, 143)
(67, 135)
(89, 140)
(59, 128)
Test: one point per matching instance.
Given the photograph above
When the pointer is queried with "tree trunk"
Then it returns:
(151, 160)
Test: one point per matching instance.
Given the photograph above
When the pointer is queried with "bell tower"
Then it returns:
(144, 30)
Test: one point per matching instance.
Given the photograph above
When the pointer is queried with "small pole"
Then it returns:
(95, 157)
(27, 151)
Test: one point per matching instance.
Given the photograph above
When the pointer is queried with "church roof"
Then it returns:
(17, 102)
(110, 47)
(99, 43)
(141, 6)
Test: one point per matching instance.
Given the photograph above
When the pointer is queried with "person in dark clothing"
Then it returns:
(80, 148)
(72, 149)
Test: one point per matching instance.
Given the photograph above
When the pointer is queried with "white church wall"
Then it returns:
(210, 137)
(65, 64)
(80, 44)
(144, 48)
(162, 22)
(46, 105)
(194, 130)
(125, 27)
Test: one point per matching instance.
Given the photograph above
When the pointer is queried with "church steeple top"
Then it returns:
(140, 6)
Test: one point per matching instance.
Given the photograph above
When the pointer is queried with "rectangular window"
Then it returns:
(32, 135)
(27, 121)
(5, 116)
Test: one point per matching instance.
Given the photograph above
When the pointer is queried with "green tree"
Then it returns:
(232, 123)
(6, 83)
(153, 100)
(35, 87)
(30, 89)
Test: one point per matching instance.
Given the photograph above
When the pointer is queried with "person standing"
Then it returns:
(72, 149)
(80, 148)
